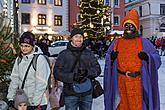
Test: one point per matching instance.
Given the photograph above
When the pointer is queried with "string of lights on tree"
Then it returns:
(94, 17)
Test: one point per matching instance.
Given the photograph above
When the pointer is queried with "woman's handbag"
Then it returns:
(54, 97)
(55, 93)
(97, 88)
(61, 102)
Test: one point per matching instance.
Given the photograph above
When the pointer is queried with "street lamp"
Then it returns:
(15, 14)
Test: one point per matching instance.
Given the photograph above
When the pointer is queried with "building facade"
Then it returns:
(74, 13)
(152, 16)
(117, 14)
(6, 9)
(44, 16)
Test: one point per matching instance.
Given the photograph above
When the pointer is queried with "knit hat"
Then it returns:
(21, 97)
(132, 17)
(77, 31)
(27, 37)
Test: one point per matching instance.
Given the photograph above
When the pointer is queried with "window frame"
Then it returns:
(78, 18)
(107, 2)
(162, 27)
(42, 2)
(56, 21)
(42, 15)
(25, 17)
(118, 20)
(162, 9)
(58, 3)
(78, 2)
(116, 5)
(26, 1)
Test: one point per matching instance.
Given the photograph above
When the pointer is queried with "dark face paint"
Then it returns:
(129, 28)
(130, 31)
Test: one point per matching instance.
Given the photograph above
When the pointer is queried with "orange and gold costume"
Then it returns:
(131, 70)
(129, 87)
(128, 61)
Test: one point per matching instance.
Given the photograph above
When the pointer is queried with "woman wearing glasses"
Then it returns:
(37, 79)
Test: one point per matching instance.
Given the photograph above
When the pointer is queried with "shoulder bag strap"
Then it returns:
(23, 83)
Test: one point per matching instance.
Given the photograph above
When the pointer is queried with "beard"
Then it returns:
(130, 35)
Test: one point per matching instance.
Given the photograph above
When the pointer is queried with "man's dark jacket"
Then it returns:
(65, 61)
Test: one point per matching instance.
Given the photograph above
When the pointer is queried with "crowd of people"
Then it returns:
(130, 73)
(44, 44)
(159, 44)
(75, 65)
(98, 47)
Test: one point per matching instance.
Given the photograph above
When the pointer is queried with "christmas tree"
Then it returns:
(7, 51)
(94, 17)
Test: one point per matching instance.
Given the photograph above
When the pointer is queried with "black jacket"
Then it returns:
(66, 60)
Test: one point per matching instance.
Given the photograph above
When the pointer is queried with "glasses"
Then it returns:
(25, 46)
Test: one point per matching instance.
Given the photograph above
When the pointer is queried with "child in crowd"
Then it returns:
(56, 88)
(21, 101)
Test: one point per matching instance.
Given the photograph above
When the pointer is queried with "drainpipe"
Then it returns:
(149, 5)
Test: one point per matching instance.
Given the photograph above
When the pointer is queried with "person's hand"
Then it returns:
(143, 56)
(11, 103)
(81, 75)
(83, 72)
(114, 55)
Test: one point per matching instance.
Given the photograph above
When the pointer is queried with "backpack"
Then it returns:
(34, 64)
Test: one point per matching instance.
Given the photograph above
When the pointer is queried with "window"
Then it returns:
(78, 18)
(25, 18)
(42, 2)
(140, 11)
(58, 2)
(78, 2)
(116, 20)
(162, 9)
(41, 19)
(107, 2)
(116, 3)
(58, 20)
(162, 27)
(25, 1)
